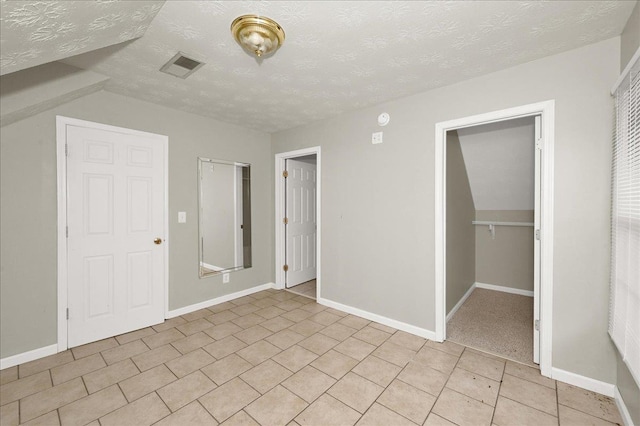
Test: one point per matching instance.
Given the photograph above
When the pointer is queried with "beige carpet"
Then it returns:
(495, 322)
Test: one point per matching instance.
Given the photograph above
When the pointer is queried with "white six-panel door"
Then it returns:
(301, 226)
(116, 228)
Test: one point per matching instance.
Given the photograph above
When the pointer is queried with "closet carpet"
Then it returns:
(495, 322)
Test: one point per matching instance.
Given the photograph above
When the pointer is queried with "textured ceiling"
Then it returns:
(499, 158)
(37, 32)
(338, 56)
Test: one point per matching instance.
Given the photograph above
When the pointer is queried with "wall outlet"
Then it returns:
(225, 278)
(182, 217)
(376, 137)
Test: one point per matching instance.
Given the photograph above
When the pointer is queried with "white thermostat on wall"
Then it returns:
(383, 119)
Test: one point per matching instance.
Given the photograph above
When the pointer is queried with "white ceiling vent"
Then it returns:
(181, 66)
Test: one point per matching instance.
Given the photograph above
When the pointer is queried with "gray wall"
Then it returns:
(630, 39)
(506, 260)
(28, 268)
(629, 389)
(378, 206)
(461, 244)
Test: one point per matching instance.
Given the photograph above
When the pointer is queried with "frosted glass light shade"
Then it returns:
(257, 35)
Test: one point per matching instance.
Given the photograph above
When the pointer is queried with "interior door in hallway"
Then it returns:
(300, 222)
(116, 228)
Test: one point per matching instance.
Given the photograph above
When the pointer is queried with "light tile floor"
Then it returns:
(274, 358)
(305, 289)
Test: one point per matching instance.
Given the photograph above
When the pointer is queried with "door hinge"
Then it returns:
(67, 231)
(538, 234)
(66, 150)
(539, 143)
(285, 221)
(536, 325)
(285, 268)
(67, 313)
(285, 174)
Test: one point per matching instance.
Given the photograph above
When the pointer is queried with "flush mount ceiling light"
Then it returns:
(257, 35)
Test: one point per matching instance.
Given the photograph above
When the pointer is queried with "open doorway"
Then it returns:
(297, 221)
(542, 230)
(491, 247)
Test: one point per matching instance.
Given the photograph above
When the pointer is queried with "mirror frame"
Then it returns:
(201, 161)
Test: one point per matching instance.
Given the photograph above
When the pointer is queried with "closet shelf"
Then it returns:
(490, 223)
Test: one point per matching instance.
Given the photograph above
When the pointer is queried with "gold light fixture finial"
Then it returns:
(257, 35)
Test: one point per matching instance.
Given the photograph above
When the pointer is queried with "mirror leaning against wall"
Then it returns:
(224, 214)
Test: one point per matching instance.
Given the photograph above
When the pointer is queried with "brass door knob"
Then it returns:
(158, 241)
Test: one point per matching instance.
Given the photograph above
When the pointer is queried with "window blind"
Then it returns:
(624, 312)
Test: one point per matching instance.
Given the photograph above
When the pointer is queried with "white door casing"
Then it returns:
(546, 110)
(537, 235)
(280, 198)
(115, 209)
(300, 228)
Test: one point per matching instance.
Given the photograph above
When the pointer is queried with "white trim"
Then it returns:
(547, 110)
(61, 140)
(622, 407)
(212, 267)
(504, 289)
(625, 73)
(211, 302)
(422, 332)
(10, 361)
(461, 301)
(583, 382)
(487, 287)
(280, 242)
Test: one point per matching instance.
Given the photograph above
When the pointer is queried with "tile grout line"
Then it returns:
(445, 384)
(505, 362)
(396, 378)
(557, 404)
(493, 413)
(337, 380)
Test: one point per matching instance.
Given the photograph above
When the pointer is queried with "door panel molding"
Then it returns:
(547, 111)
(99, 154)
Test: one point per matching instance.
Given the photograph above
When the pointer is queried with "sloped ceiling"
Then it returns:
(37, 32)
(338, 56)
(499, 158)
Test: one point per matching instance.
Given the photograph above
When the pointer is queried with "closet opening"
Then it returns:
(494, 181)
(297, 222)
(490, 237)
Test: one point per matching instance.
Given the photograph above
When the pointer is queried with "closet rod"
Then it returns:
(484, 222)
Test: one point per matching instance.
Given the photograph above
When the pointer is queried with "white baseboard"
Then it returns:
(10, 361)
(487, 287)
(583, 382)
(504, 289)
(422, 332)
(461, 301)
(622, 407)
(211, 302)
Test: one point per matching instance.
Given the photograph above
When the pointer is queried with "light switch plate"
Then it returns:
(182, 217)
(225, 278)
(376, 137)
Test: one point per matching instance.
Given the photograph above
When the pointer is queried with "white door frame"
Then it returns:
(61, 140)
(547, 111)
(280, 213)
